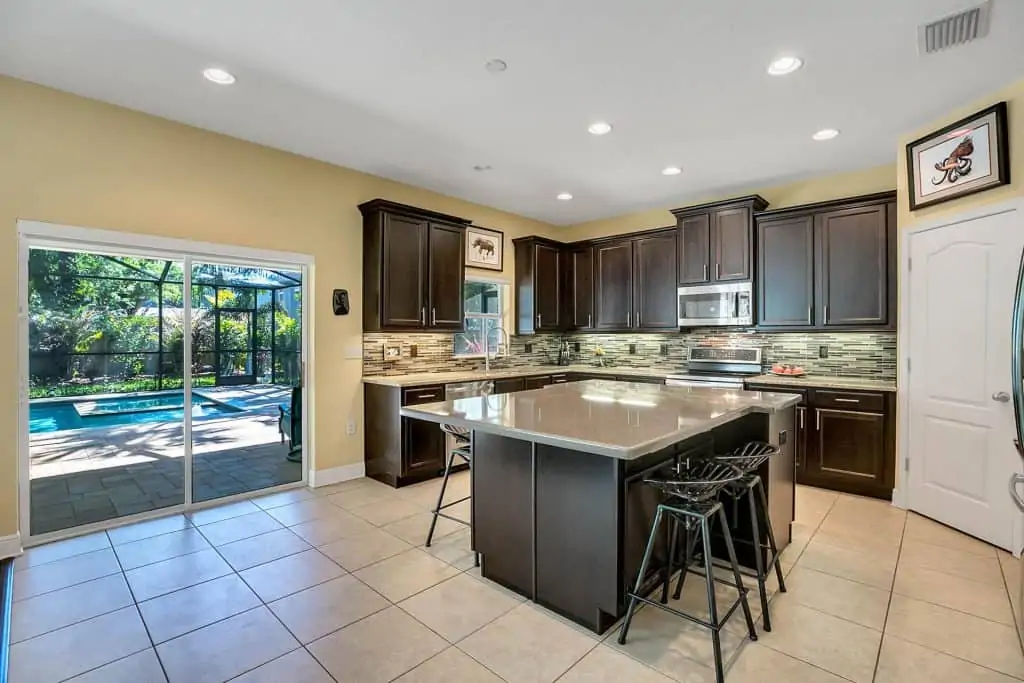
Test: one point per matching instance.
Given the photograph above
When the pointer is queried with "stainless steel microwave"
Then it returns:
(710, 305)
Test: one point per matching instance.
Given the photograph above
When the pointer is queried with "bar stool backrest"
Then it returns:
(748, 457)
(698, 481)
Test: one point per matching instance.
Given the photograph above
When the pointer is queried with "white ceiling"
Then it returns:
(398, 87)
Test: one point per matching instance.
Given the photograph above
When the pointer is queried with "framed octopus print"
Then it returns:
(971, 155)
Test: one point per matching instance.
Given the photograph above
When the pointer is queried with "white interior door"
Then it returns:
(961, 421)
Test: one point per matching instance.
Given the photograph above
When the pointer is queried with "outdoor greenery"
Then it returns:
(99, 324)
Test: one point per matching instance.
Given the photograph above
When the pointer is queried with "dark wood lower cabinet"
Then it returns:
(398, 450)
(538, 382)
(508, 386)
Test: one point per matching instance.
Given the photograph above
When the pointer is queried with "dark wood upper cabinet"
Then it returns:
(785, 272)
(539, 285)
(413, 268)
(654, 289)
(580, 294)
(549, 287)
(694, 248)
(613, 285)
(732, 243)
(852, 265)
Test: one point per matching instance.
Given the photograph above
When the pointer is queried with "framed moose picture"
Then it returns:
(971, 155)
(484, 248)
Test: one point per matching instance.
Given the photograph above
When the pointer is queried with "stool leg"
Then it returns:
(709, 578)
(736, 574)
(673, 536)
(758, 559)
(759, 485)
(440, 497)
(640, 577)
(691, 543)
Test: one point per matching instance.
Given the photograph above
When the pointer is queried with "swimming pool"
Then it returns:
(55, 416)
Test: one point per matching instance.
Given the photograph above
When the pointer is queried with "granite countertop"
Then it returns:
(827, 382)
(615, 419)
(422, 378)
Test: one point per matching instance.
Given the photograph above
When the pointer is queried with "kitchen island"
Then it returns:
(559, 505)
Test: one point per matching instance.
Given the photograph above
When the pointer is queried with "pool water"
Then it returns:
(57, 416)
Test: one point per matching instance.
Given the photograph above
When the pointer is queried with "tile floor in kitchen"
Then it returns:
(334, 585)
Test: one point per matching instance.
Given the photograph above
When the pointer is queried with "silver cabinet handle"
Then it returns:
(826, 314)
(540, 318)
(1014, 480)
(718, 271)
(817, 414)
(423, 315)
(427, 396)
(802, 414)
(1001, 396)
(628, 317)
(638, 318)
(846, 400)
(589, 323)
(433, 316)
(810, 315)
(705, 272)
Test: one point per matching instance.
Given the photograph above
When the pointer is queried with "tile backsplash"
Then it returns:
(857, 354)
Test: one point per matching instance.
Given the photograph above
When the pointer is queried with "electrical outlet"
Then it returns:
(351, 429)
(529, 348)
(664, 349)
(413, 351)
(392, 352)
(576, 347)
(632, 349)
(822, 351)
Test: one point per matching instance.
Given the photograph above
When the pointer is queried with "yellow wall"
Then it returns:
(1014, 97)
(817, 189)
(69, 160)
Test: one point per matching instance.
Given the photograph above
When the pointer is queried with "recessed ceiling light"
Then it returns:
(600, 128)
(825, 134)
(482, 167)
(495, 66)
(671, 170)
(785, 65)
(218, 76)
(564, 196)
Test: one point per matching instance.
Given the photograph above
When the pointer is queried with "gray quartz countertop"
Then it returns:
(827, 382)
(623, 420)
(423, 378)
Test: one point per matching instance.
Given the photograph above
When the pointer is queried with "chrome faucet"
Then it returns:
(503, 335)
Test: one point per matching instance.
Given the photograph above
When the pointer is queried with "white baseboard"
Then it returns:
(334, 475)
(10, 546)
(898, 500)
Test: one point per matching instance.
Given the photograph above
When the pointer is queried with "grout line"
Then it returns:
(1009, 595)
(888, 606)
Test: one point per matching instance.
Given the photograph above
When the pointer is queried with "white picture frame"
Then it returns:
(485, 248)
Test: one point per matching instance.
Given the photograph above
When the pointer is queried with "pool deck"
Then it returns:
(89, 475)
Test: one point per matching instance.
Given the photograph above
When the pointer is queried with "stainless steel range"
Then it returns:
(718, 366)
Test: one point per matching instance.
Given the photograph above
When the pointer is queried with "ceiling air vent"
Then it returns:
(956, 29)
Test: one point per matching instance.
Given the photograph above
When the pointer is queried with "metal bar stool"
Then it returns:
(692, 502)
(463, 449)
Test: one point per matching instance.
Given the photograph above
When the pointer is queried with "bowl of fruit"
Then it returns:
(788, 370)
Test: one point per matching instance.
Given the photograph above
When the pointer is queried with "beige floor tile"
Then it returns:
(979, 599)
(327, 529)
(526, 646)
(405, 574)
(363, 495)
(448, 667)
(155, 580)
(226, 649)
(977, 640)
(59, 655)
(217, 513)
(378, 648)
(694, 601)
(297, 666)
(454, 549)
(141, 667)
(425, 494)
(813, 504)
(303, 511)
(148, 529)
(975, 567)
(327, 607)
(924, 530)
(384, 512)
(836, 645)
(356, 552)
(882, 534)
(857, 602)
(905, 662)
(63, 573)
(872, 509)
(605, 665)
(1012, 569)
(51, 611)
(758, 664)
(342, 486)
(283, 498)
(51, 552)
(459, 606)
(849, 562)
(291, 574)
(175, 614)
(250, 552)
(414, 529)
(159, 548)
(236, 528)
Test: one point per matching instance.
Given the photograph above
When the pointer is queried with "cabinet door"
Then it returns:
(547, 287)
(694, 249)
(581, 309)
(614, 285)
(849, 448)
(654, 285)
(730, 244)
(852, 266)
(447, 275)
(423, 443)
(508, 386)
(785, 273)
(404, 276)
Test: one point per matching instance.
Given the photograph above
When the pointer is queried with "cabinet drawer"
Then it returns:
(560, 379)
(849, 400)
(429, 394)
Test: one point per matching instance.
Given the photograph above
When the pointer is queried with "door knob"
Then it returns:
(1001, 396)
